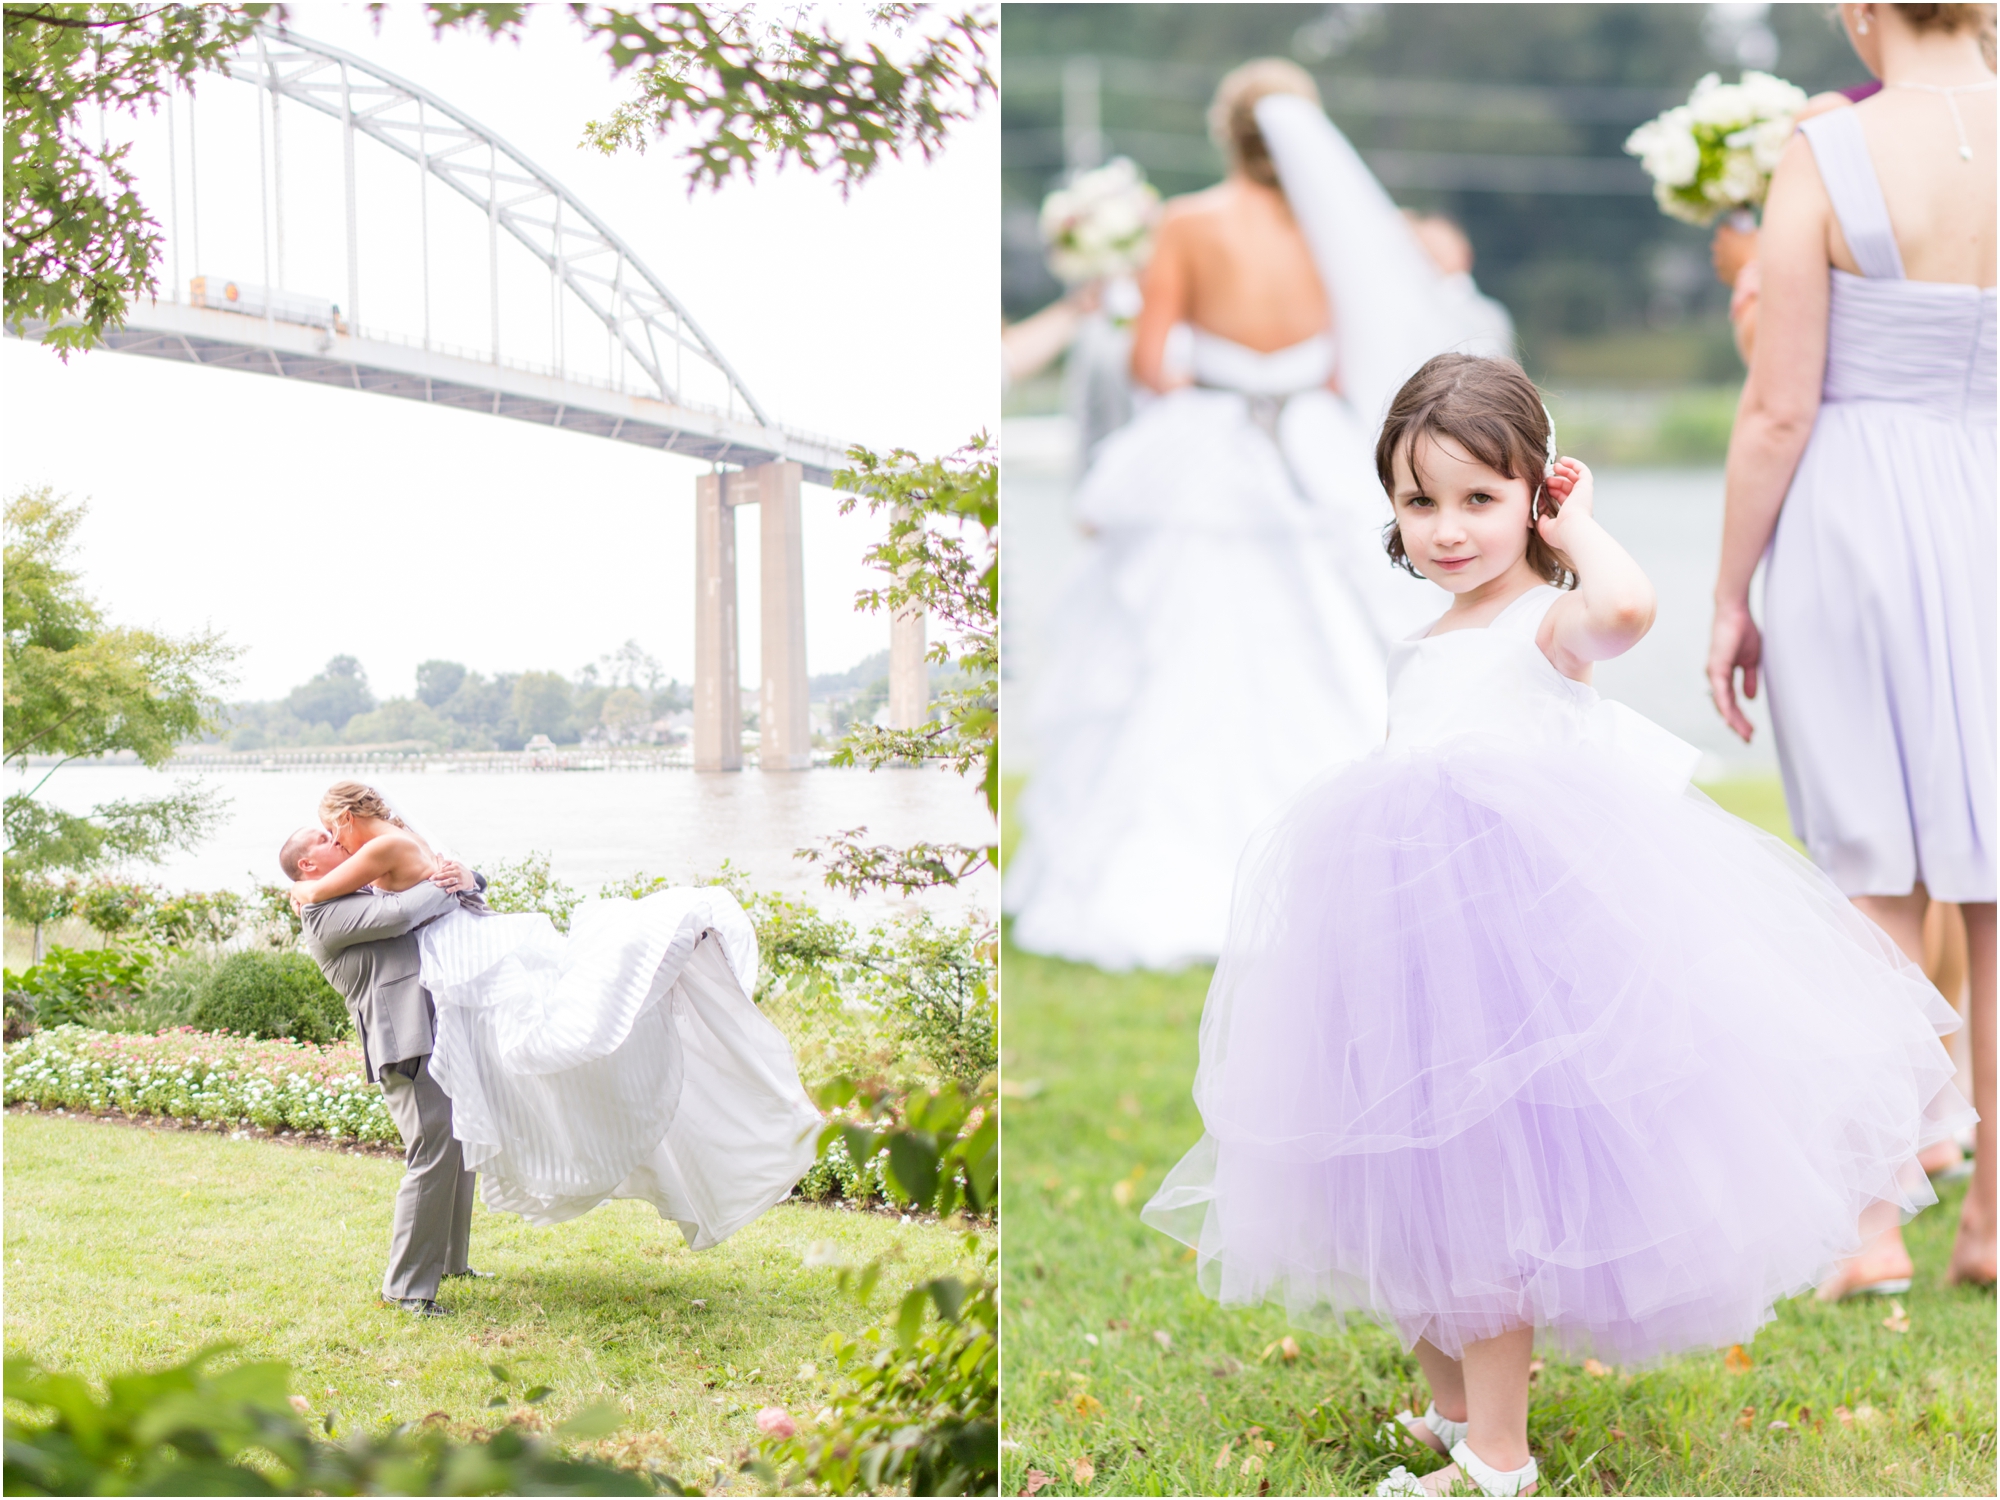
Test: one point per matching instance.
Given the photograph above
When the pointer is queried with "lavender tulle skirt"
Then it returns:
(1503, 1036)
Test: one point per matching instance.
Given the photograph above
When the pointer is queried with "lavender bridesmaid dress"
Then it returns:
(1879, 624)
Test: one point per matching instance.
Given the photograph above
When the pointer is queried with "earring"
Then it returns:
(1861, 23)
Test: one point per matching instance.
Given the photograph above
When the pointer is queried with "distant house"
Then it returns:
(538, 743)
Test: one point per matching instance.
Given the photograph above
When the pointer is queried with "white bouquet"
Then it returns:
(1101, 223)
(1718, 150)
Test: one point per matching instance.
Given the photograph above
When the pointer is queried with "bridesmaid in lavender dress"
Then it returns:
(1864, 457)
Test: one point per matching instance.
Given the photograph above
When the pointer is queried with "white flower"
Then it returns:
(1101, 223)
(1741, 181)
(1771, 96)
(1673, 207)
(1766, 142)
(1666, 148)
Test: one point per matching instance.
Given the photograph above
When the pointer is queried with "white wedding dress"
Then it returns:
(1226, 635)
(624, 1060)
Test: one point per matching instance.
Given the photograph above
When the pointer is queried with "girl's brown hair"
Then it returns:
(1232, 118)
(359, 799)
(1489, 408)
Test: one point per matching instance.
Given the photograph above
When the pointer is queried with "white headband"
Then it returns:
(1549, 465)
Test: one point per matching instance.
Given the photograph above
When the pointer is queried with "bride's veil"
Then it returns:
(1390, 314)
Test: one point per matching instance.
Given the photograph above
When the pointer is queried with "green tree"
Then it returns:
(732, 88)
(77, 686)
(335, 694)
(398, 719)
(942, 555)
(542, 704)
(80, 241)
(625, 715)
(437, 681)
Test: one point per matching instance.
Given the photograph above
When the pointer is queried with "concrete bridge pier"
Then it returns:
(783, 712)
(783, 716)
(718, 707)
(909, 673)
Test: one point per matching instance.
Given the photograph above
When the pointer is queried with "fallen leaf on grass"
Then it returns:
(1287, 1348)
(1748, 1416)
(1898, 1321)
(1222, 1458)
(1535, 1368)
(1227, 1367)
(1251, 1465)
(1083, 1470)
(1164, 1339)
(1736, 1362)
(1121, 1193)
(1619, 1434)
(1592, 1367)
(1117, 1325)
(1085, 1406)
(1037, 1481)
(1779, 1427)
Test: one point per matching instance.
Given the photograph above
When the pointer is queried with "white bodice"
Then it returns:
(1495, 683)
(1227, 365)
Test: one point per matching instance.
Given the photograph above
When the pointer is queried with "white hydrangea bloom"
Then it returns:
(1666, 148)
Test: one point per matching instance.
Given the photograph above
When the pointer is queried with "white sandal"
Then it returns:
(1449, 1434)
(1491, 1481)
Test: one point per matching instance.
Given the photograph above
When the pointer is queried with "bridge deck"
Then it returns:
(235, 341)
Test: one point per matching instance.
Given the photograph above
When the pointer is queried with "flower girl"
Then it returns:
(1503, 1001)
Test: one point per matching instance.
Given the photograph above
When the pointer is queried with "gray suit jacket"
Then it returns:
(366, 945)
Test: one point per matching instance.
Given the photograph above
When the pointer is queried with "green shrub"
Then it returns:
(913, 1405)
(528, 884)
(115, 907)
(185, 1431)
(198, 917)
(173, 990)
(264, 994)
(82, 984)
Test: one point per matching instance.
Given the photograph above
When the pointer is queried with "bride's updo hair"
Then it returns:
(1490, 409)
(359, 799)
(1232, 118)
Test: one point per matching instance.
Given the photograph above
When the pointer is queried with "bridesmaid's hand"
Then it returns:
(1734, 644)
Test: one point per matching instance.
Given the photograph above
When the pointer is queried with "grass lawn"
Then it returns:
(1122, 1378)
(134, 1247)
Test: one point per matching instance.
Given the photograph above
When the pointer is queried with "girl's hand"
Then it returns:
(1570, 492)
(1734, 644)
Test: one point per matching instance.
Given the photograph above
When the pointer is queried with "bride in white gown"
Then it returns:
(1225, 637)
(622, 1060)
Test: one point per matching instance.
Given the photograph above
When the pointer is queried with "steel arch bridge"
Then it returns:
(645, 396)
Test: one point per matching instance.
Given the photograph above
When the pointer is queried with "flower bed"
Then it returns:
(201, 1075)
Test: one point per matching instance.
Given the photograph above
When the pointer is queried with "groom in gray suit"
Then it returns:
(366, 945)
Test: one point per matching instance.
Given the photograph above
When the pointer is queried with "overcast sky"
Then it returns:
(305, 522)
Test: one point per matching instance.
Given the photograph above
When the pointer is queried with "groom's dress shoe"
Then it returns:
(422, 1307)
(468, 1271)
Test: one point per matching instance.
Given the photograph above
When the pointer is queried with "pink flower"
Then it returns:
(775, 1421)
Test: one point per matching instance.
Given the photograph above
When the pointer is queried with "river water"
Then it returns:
(1669, 519)
(595, 826)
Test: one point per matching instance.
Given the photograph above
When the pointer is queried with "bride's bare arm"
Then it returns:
(1165, 290)
(387, 854)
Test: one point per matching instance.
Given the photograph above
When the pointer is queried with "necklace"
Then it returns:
(1951, 97)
